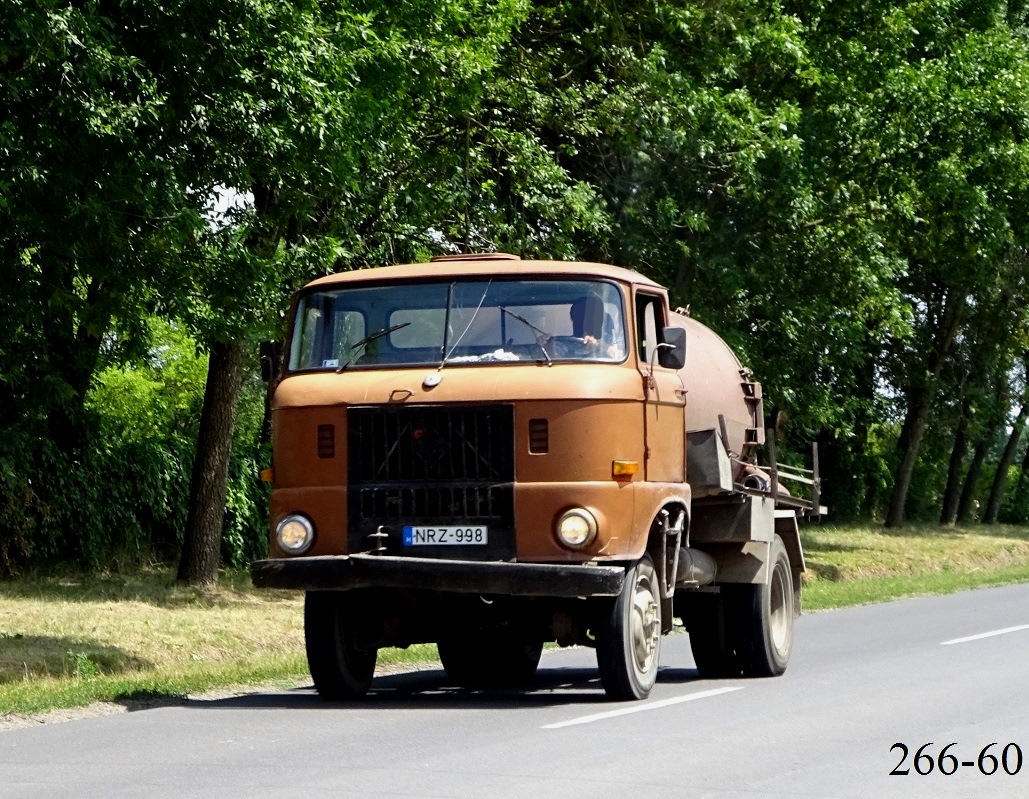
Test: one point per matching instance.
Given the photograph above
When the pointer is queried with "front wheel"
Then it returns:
(629, 635)
(340, 667)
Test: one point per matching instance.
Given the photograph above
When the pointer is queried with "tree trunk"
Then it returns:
(965, 505)
(952, 493)
(1023, 476)
(74, 356)
(921, 394)
(201, 547)
(1000, 479)
(910, 443)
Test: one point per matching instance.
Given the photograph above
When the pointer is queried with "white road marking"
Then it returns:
(985, 635)
(639, 708)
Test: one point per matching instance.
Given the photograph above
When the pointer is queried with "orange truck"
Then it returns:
(489, 454)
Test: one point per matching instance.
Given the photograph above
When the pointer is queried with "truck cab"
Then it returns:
(489, 453)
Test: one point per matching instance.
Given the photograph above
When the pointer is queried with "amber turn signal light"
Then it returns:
(624, 468)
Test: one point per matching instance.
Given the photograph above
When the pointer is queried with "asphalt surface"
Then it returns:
(911, 672)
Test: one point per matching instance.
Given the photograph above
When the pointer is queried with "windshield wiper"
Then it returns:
(367, 340)
(523, 320)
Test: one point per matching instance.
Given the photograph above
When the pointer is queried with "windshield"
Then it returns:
(467, 321)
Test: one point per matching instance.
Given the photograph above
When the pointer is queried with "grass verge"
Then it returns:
(71, 640)
(857, 565)
(68, 641)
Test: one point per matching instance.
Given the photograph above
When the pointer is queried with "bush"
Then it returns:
(125, 500)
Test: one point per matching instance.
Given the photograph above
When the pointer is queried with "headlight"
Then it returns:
(576, 528)
(295, 534)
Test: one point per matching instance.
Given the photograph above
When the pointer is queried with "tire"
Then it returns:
(628, 633)
(710, 640)
(765, 616)
(490, 662)
(339, 667)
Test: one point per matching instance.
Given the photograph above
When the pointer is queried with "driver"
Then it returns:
(595, 327)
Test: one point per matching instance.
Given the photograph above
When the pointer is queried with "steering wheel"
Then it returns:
(570, 347)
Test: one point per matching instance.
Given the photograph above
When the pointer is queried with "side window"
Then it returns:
(324, 332)
(649, 321)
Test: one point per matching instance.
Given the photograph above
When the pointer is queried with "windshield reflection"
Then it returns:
(460, 322)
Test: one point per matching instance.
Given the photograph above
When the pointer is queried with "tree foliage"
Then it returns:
(839, 190)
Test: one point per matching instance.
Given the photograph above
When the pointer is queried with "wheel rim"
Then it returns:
(780, 609)
(646, 625)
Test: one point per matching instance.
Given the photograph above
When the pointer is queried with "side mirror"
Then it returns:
(672, 352)
(269, 353)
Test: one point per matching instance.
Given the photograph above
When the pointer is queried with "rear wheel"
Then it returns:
(745, 629)
(340, 667)
(491, 661)
(766, 618)
(629, 635)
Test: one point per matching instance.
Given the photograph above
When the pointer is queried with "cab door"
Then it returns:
(665, 395)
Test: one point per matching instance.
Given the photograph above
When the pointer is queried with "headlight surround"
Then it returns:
(295, 534)
(576, 528)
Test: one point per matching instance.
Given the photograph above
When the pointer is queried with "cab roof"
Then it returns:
(486, 265)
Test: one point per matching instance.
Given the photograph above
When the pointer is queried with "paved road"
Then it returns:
(913, 672)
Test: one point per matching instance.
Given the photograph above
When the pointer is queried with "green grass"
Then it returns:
(824, 596)
(857, 565)
(35, 695)
(71, 640)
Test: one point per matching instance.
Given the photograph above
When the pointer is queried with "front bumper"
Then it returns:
(347, 572)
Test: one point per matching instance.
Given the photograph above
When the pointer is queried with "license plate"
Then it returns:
(445, 536)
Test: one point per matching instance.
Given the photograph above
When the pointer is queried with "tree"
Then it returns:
(1007, 458)
(387, 108)
(955, 145)
(89, 190)
(86, 186)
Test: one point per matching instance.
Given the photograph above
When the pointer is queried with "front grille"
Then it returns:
(432, 443)
(431, 465)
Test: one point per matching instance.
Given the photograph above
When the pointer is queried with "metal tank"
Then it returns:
(724, 410)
